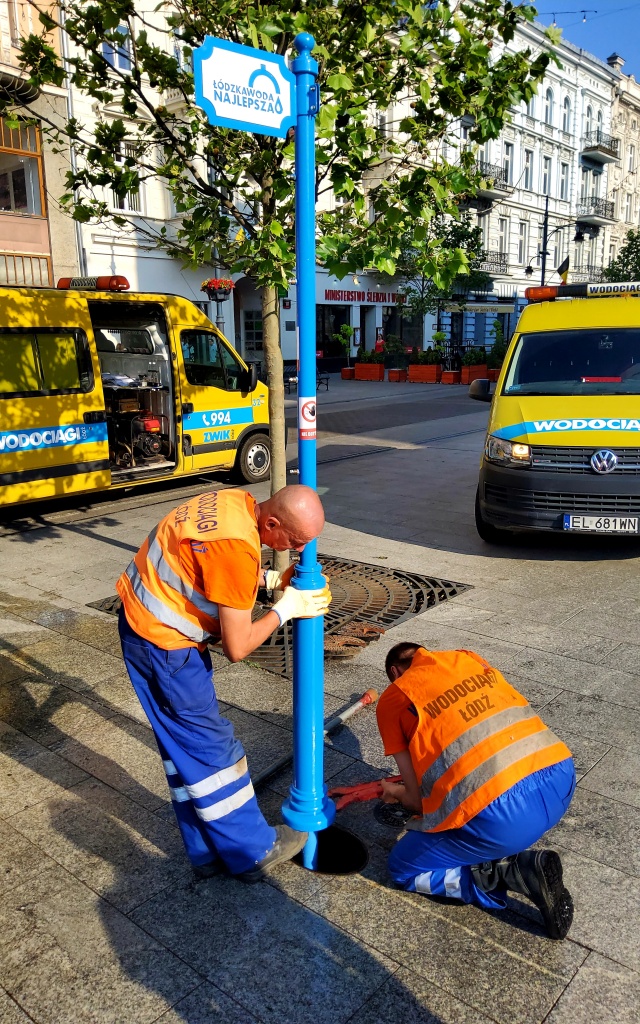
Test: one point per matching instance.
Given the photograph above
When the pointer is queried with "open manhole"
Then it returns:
(340, 852)
(366, 600)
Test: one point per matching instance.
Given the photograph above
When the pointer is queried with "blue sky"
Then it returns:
(614, 28)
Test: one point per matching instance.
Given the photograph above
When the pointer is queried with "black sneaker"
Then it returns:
(288, 843)
(541, 873)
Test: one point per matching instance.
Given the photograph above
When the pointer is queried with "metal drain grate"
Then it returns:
(363, 595)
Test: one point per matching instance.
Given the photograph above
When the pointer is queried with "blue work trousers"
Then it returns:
(439, 863)
(206, 767)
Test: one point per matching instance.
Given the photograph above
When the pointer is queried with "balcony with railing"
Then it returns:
(495, 181)
(586, 272)
(492, 262)
(25, 270)
(595, 210)
(599, 146)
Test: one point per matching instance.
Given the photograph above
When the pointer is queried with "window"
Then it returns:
(566, 115)
(130, 201)
(546, 176)
(503, 234)
(20, 170)
(588, 124)
(530, 108)
(528, 169)
(631, 157)
(47, 361)
(634, 124)
(118, 55)
(612, 253)
(507, 162)
(209, 363)
(383, 123)
(548, 107)
(558, 249)
(252, 320)
(585, 183)
(564, 181)
(523, 242)
(588, 361)
(628, 208)
(599, 123)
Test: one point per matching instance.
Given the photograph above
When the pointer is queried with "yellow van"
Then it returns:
(562, 450)
(103, 388)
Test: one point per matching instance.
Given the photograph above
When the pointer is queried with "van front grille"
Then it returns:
(550, 459)
(554, 501)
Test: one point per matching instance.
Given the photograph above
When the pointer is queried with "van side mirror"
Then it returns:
(480, 390)
(251, 377)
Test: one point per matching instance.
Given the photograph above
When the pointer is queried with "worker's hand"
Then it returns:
(393, 792)
(302, 604)
(273, 580)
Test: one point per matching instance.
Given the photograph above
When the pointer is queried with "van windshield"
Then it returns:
(593, 361)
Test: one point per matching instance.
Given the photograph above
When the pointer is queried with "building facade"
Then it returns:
(625, 179)
(37, 239)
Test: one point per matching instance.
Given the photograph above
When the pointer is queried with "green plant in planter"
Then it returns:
(497, 352)
(474, 357)
(343, 337)
(414, 356)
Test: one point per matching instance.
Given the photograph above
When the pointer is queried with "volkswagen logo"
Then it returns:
(604, 461)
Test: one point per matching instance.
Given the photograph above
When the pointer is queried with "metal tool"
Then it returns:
(370, 697)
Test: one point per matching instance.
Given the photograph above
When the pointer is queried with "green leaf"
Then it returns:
(339, 82)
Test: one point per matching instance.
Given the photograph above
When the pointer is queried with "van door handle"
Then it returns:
(187, 408)
(99, 416)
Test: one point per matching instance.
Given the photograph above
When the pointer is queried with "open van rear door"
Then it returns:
(53, 431)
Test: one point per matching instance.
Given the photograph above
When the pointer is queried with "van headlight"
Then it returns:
(507, 453)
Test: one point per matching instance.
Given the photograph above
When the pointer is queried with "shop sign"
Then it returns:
(368, 297)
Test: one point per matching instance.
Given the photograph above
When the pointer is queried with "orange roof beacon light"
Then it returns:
(108, 283)
(582, 291)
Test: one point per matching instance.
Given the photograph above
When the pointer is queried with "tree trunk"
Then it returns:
(275, 381)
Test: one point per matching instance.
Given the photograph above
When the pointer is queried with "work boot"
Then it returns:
(536, 874)
(288, 843)
(208, 870)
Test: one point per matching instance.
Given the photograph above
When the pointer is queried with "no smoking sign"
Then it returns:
(307, 419)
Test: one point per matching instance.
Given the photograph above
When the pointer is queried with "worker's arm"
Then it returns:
(407, 792)
(240, 636)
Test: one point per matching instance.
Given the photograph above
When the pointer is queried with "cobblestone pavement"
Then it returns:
(99, 919)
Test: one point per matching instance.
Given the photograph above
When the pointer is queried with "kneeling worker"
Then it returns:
(196, 576)
(485, 775)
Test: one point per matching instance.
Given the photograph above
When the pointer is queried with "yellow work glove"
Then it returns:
(302, 604)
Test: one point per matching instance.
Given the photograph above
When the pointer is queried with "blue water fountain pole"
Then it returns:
(307, 808)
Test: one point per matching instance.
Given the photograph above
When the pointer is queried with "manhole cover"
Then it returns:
(366, 600)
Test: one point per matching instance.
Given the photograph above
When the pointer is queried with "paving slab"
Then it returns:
(207, 1005)
(283, 963)
(42, 777)
(616, 775)
(67, 955)
(10, 1012)
(408, 997)
(81, 665)
(625, 657)
(48, 711)
(497, 980)
(122, 851)
(600, 828)
(602, 991)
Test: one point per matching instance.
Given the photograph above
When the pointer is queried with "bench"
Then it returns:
(290, 376)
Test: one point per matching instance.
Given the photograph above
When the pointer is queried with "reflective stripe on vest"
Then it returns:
(171, 578)
(469, 739)
(160, 611)
(486, 771)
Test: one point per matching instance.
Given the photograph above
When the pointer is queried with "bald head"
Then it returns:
(290, 518)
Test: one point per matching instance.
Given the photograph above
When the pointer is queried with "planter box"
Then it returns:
(493, 375)
(450, 377)
(369, 371)
(470, 373)
(425, 374)
(219, 294)
(397, 375)
(348, 373)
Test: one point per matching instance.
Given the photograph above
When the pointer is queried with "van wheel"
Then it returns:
(253, 464)
(488, 533)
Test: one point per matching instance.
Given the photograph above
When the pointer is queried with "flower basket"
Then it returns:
(217, 288)
(348, 373)
(493, 375)
(474, 372)
(397, 375)
(369, 371)
(450, 377)
(425, 373)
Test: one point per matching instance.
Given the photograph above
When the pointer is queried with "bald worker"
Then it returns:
(196, 577)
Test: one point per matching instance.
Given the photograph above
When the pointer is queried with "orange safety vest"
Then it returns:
(476, 736)
(160, 597)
